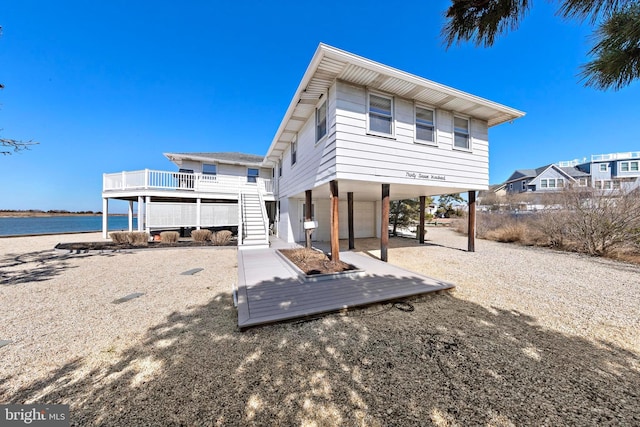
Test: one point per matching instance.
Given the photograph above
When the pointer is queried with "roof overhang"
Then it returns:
(177, 157)
(330, 64)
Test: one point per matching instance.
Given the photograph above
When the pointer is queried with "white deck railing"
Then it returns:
(162, 180)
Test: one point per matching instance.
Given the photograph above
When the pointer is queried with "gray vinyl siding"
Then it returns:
(315, 164)
(361, 156)
(549, 173)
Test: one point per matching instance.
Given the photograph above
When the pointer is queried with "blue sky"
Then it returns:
(110, 86)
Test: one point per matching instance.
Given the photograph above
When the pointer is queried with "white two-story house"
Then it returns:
(356, 135)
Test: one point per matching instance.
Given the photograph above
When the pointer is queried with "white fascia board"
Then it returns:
(172, 156)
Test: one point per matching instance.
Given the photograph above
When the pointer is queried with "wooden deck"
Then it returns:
(270, 291)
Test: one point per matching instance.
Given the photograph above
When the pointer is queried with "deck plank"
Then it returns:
(270, 291)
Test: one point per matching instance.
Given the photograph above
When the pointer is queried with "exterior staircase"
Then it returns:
(255, 232)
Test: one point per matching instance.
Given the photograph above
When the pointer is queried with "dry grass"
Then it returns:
(119, 237)
(221, 238)
(138, 238)
(169, 236)
(201, 235)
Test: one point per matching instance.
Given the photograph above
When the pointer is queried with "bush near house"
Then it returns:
(595, 222)
(221, 238)
(119, 237)
(201, 235)
(138, 238)
(169, 236)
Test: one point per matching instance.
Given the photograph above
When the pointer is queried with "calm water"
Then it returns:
(61, 224)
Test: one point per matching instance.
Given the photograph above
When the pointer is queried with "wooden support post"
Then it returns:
(352, 237)
(335, 242)
(308, 217)
(471, 236)
(384, 227)
(421, 225)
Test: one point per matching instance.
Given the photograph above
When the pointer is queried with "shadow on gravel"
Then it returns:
(448, 362)
(16, 269)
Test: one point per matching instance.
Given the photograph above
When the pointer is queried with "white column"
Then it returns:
(105, 217)
(146, 213)
(130, 215)
(140, 213)
(198, 207)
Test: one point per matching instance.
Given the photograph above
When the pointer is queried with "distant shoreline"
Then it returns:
(29, 214)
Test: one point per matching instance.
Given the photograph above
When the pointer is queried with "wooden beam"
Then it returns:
(421, 225)
(471, 235)
(352, 238)
(308, 216)
(384, 227)
(335, 239)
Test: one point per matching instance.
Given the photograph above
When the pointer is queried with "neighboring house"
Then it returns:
(355, 135)
(602, 171)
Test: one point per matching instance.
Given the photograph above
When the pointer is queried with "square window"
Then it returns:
(599, 185)
(624, 167)
(380, 114)
(461, 133)
(321, 121)
(425, 129)
(603, 167)
(209, 169)
(634, 166)
(543, 183)
(607, 185)
(552, 183)
(252, 175)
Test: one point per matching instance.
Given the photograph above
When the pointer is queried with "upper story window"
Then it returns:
(321, 121)
(634, 166)
(380, 110)
(461, 133)
(624, 167)
(294, 152)
(425, 125)
(252, 175)
(552, 183)
(209, 169)
(603, 167)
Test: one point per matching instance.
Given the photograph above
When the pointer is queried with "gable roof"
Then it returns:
(329, 64)
(228, 158)
(570, 172)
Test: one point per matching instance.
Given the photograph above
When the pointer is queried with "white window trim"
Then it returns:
(391, 135)
(453, 133)
(637, 169)
(606, 167)
(628, 166)
(325, 102)
(415, 125)
(294, 143)
(256, 176)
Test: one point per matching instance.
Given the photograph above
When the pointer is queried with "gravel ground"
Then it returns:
(528, 337)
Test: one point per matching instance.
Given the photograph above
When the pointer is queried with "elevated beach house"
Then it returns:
(356, 135)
